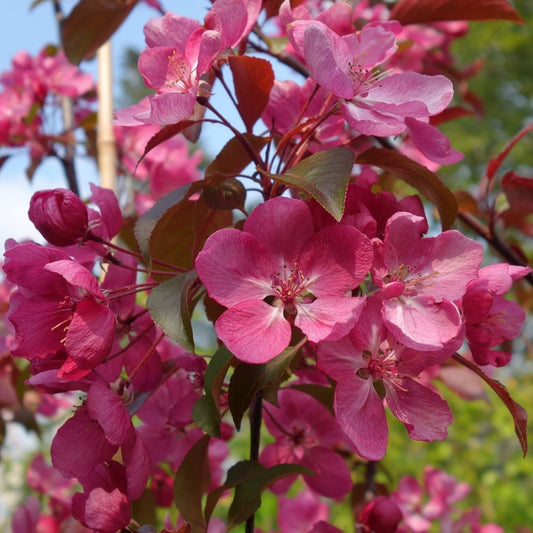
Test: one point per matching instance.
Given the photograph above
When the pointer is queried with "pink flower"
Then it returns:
(490, 318)
(380, 515)
(300, 514)
(92, 437)
(421, 278)
(371, 360)
(305, 432)
(278, 272)
(180, 52)
(58, 305)
(373, 102)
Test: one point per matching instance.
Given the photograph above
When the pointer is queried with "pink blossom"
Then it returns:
(179, 53)
(380, 515)
(270, 278)
(421, 278)
(92, 437)
(305, 433)
(373, 102)
(58, 305)
(490, 318)
(370, 366)
(300, 514)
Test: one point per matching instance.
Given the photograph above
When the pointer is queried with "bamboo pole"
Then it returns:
(105, 137)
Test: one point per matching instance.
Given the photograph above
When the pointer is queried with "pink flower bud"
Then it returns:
(381, 515)
(59, 215)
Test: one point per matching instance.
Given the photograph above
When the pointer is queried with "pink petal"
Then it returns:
(361, 415)
(171, 108)
(332, 476)
(327, 56)
(431, 142)
(254, 331)
(138, 465)
(90, 334)
(234, 267)
(79, 445)
(107, 408)
(421, 323)
(425, 414)
(282, 225)
(107, 511)
(328, 317)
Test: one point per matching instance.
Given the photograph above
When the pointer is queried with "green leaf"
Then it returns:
(206, 415)
(90, 24)
(253, 79)
(192, 480)
(251, 480)
(216, 372)
(145, 224)
(247, 379)
(323, 176)
(167, 304)
(416, 175)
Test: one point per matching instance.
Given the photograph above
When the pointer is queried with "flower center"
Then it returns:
(179, 74)
(413, 279)
(364, 78)
(289, 284)
(382, 366)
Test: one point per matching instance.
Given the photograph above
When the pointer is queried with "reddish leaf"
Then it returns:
(519, 191)
(192, 479)
(90, 24)
(253, 78)
(234, 157)
(416, 175)
(416, 11)
(181, 232)
(451, 113)
(517, 411)
(494, 163)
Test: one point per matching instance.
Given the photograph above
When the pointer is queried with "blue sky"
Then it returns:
(25, 29)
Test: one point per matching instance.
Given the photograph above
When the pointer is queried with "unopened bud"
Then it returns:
(59, 215)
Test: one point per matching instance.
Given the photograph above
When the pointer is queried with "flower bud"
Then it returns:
(381, 515)
(59, 215)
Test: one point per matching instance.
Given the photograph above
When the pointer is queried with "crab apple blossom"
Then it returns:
(373, 102)
(95, 433)
(489, 317)
(370, 367)
(179, 54)
(270, 277)
(421, 278)
(306, 433)
(58, 305)
(380, 515)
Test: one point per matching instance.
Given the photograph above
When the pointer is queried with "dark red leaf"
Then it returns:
(517, 411)
(494, 163)
(90, 24)
(253, 78)
(416, 175)
(416, 11)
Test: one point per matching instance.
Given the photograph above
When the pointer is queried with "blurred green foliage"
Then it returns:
(505, 84)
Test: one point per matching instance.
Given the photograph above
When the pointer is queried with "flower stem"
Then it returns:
(255, 414)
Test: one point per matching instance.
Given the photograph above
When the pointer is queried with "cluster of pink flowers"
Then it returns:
(30, 96)
(325, 321)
